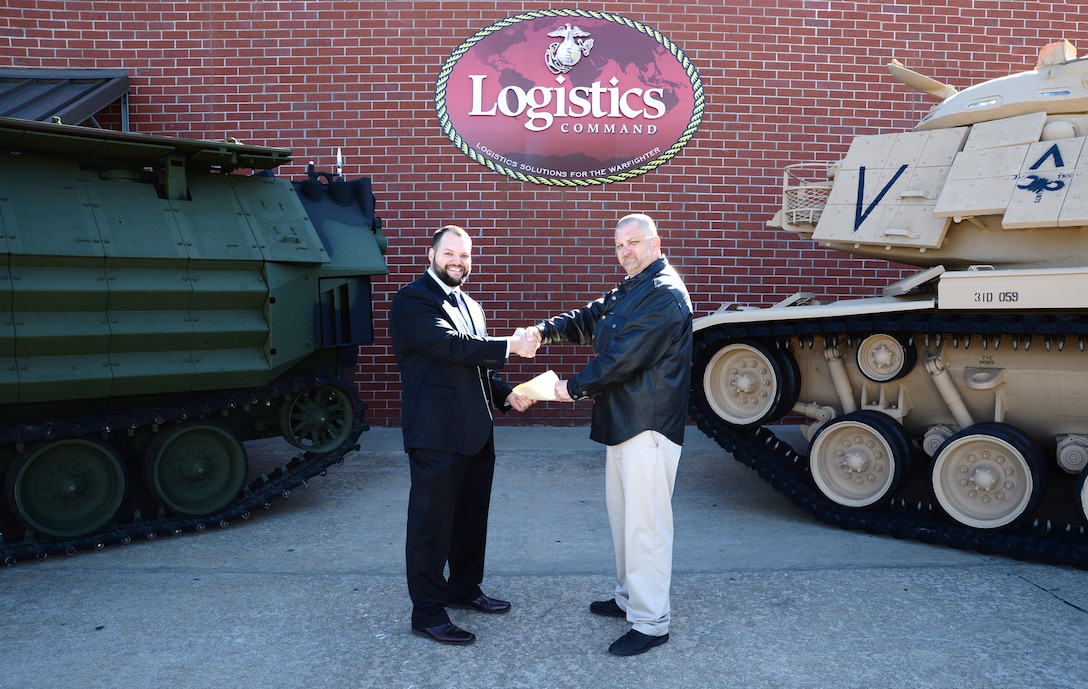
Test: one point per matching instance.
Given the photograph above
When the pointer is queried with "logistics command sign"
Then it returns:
(569, 97)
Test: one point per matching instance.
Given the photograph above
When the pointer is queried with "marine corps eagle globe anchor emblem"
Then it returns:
(562, 56)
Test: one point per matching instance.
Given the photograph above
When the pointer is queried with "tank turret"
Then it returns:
(160, 309)
(952, 407)
(974, 184)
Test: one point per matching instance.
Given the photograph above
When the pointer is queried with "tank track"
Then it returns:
(259, 493)
(1064, 542)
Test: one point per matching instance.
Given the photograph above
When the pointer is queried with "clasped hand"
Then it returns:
(524, 342)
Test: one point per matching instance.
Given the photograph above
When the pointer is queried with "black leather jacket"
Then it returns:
(640, 375)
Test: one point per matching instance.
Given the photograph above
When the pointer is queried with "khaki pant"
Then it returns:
(639, 478)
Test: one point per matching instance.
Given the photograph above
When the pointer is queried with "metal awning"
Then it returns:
(72, 96)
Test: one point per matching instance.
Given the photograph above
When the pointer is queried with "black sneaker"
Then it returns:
(632, 643)
(608, 608)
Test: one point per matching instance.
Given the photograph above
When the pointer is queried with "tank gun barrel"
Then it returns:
(920, 82)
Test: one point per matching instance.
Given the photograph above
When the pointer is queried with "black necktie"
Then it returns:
(459, 302)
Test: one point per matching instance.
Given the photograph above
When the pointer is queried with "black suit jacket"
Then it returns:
(449, 377)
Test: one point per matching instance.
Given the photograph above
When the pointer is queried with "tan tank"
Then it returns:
(952, 408)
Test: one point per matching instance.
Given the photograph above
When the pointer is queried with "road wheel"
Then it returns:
(860, 458)
(987, 476)
(67, 488)
(749, 384)
(195, 469)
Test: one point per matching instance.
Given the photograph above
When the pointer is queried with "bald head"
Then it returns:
(637, 243)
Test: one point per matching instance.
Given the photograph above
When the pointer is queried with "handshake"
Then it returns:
(525, 341)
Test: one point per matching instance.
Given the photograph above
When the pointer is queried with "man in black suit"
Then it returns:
(448, 374)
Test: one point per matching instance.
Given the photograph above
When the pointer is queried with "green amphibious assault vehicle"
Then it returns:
(953, 408)
(157, 312)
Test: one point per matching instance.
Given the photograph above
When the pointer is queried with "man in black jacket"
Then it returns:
(638, 379)
(448, 369)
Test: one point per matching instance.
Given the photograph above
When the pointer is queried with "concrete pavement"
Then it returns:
(311, 594)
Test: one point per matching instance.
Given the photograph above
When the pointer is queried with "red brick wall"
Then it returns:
(785, 82)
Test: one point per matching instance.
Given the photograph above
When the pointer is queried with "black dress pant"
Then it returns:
(447, 524)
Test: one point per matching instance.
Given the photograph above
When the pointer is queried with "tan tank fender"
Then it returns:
(801, 309)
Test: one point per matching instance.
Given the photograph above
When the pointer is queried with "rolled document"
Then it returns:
(541, 388)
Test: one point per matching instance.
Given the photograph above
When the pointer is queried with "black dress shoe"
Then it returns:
(484, 603)
(608, 608)
(632, 643)
(447, 633)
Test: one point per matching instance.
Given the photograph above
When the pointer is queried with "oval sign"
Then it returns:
(569, 97)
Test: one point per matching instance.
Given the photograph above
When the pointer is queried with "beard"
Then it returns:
(447, 278)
